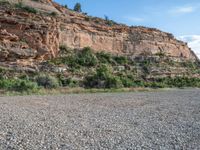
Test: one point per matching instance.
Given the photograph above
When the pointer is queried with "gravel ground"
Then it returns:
(141, 120)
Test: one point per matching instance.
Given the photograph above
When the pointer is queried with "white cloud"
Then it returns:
(134, 19)
(193, 42)
(183, 10)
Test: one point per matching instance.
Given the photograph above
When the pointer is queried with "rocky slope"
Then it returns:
(43, 43)
(25, 35)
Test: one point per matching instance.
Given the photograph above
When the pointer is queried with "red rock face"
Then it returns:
(133, 41)
(29, 35)
(24, 35)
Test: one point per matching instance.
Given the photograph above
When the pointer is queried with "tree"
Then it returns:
(66, 6)
(106, 18)
(77, 7)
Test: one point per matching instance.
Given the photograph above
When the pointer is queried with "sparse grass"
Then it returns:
(21, 6)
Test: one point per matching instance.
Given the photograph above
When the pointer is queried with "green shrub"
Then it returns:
(68, 82)
(103, 78)
(25, 85)
(138, 83)
(47, 81)
(104, 57)
(127, 82)
(18, 85)
(121, 59)
(178, 82)
(86, 57)
(113, 82)
(80, 58)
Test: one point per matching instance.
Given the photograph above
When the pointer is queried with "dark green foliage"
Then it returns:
(77, 7)
(47, 81)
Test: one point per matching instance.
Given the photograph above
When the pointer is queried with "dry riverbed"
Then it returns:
(139, 120)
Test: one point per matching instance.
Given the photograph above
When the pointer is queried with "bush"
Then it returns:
(18, 85)
(103, 78)
(86, 57)
(113, 82)
(127, 82)
(25, 85)
(177, 82)
(155, 84)
(74, 60)
(47, 81)
(121, 59)
(68, 82)
(104, 57)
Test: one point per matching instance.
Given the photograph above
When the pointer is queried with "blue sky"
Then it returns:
(180, 17)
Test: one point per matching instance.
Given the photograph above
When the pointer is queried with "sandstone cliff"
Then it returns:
(37, 36)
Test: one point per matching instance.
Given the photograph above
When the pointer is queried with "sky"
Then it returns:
(179, 17)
